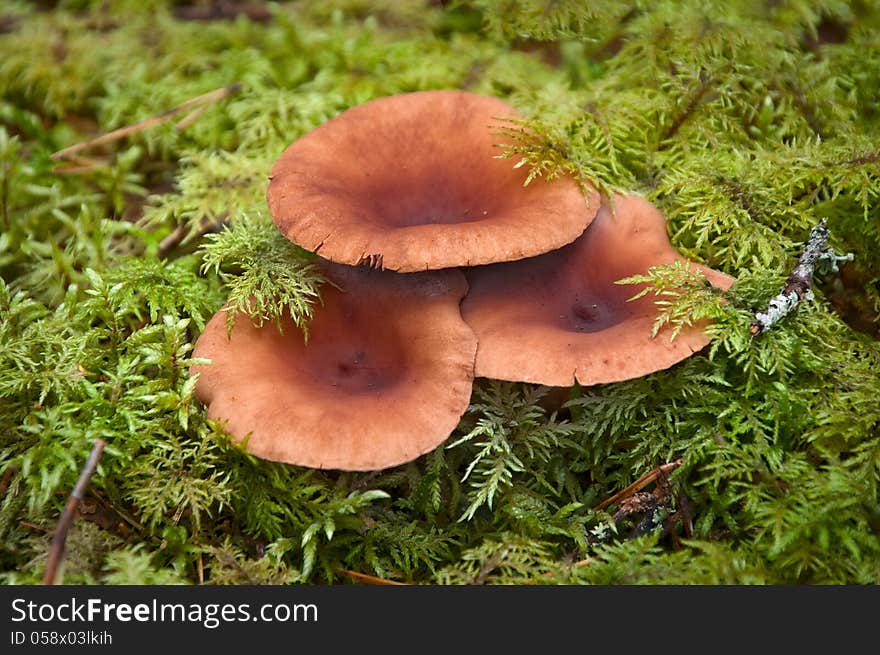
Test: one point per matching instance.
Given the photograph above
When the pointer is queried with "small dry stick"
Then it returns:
(78, 164)
(8, 474)
(184, 233)
(369, 579)
(56, 551)
(641, 483)
(631, 501)
(4, 194)
(194, 103)
(797, 286)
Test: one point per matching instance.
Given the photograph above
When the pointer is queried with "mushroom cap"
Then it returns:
(412, 182)
(560, 318)
(384, 377)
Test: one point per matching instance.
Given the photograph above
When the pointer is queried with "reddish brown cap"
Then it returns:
(413, 182)
(384, 377)
(560, 317)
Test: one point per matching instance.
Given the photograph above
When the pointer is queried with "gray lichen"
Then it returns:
(816, 254)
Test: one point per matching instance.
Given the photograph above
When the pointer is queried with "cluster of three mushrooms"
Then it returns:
(445, 267)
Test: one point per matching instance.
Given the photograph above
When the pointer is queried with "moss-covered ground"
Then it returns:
(746, 122)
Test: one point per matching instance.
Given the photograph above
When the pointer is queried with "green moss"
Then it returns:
(745, 123)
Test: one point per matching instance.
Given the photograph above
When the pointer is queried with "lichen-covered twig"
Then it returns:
(797, 287)
(56, 550)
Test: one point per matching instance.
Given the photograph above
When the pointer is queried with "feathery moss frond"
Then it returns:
(267, 276)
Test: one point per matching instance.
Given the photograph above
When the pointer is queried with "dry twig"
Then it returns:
(8, 474)
(640, 484)
(187, 232)
(197, 106)
(797, 286)
(56, 551)
(369, 579)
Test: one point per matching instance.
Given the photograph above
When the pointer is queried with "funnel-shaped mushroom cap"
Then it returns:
(384, 377)
(413, 182)
(560, 317)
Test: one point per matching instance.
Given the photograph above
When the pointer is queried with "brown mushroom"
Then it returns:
(560, 318)
(413, 182)
(384, 377)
